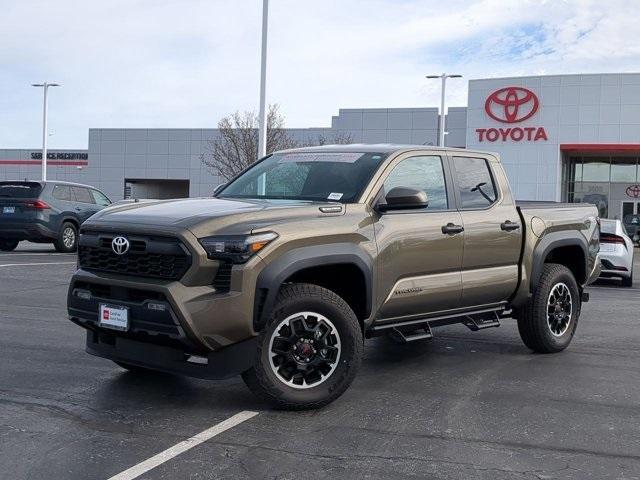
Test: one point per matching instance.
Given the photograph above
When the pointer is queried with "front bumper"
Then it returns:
(224, 363)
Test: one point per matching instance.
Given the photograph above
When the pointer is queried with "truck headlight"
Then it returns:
(236, 248)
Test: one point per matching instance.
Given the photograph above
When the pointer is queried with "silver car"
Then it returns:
(616, 251)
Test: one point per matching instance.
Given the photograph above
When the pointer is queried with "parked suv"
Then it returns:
(46, 212)
(296, 261)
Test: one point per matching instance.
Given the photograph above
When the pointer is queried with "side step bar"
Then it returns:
(420, 329)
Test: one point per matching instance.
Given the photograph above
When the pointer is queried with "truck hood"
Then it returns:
(191, 213)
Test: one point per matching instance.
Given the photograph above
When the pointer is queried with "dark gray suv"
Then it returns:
(46, 212)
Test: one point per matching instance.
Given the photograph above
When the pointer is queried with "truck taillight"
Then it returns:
(38, 205)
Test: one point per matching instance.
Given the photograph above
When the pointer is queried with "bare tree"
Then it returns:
(340, 138)
(236, 145)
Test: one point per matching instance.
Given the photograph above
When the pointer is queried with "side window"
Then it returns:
(422, 173)
(82, 195)
(475, 183)
(61, 192)
(100, 198)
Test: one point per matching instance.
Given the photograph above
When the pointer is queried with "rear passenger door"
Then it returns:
(85, 205)
(492, 230)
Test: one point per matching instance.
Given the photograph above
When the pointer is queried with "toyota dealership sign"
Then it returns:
(510, 106)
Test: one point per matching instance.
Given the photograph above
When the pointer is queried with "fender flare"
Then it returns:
(550, 242)
(274, 274)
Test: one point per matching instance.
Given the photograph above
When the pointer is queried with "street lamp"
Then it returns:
(262, 127)
(45, 86)
(444, 77)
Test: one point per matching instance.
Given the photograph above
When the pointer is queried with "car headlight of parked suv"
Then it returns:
(236, 248)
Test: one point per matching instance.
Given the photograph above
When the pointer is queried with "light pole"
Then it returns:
(444, 77)
(45, 86)
(262, 129)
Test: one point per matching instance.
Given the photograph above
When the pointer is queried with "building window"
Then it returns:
(624, 170)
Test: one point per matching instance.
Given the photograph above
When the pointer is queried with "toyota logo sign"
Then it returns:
(633, 191)
(511, 104)
(120, 245)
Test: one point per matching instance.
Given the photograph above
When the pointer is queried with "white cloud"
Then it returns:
(143, 63)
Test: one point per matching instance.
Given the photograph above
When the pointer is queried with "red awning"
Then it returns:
(600, 147)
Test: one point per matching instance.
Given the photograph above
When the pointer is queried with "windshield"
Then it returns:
(319, 176)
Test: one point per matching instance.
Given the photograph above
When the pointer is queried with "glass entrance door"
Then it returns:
(630, 208)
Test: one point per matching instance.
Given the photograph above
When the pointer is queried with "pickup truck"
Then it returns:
(283, 274)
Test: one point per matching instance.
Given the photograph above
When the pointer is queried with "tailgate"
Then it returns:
(19, 201)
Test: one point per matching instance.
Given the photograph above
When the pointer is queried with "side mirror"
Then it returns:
(404, 198)
(217, 189)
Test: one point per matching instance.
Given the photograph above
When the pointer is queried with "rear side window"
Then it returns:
(100, 198)
(62, 192)
(82, 195)
(475, 183)
(20, 189)
(421, 173)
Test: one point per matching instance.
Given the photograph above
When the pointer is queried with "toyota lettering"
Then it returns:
(512, 105)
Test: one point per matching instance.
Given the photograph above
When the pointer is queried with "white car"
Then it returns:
(616, 251)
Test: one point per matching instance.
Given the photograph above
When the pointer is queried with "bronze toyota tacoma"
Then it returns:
(305, 254)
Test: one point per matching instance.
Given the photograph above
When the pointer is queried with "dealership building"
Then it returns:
(569, 138)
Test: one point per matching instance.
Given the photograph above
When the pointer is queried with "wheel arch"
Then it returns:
(318, 263)
(564, 248)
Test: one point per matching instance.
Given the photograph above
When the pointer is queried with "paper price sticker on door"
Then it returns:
(334, 196)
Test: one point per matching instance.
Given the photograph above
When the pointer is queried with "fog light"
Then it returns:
(83, 294)
(198, 359)
(161, 307)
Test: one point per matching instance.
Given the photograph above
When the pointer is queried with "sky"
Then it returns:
(187, 63)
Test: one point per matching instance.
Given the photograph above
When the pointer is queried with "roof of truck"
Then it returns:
(382, 148)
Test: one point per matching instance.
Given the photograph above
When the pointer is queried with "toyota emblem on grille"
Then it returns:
(120, 245)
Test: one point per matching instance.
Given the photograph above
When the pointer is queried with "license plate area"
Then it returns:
(8, 210)
(115, 317)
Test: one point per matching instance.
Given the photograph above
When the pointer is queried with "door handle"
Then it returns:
(508, 225)
(78, 209)
(452, 229)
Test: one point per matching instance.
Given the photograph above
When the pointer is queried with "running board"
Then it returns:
(406, 337)
(422, 327)
(481, 322)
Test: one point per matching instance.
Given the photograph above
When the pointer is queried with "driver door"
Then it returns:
(419, 264)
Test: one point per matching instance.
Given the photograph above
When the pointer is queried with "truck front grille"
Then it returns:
(148, 256)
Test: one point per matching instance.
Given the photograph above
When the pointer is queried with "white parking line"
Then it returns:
(182, 447)
(31, 264)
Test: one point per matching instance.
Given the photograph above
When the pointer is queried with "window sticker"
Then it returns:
(319, 157)
(334, 196)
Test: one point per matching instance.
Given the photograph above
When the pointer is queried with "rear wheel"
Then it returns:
(8, 245)
(309, 352)
(628, 281)
(67, 241)
(548, 321)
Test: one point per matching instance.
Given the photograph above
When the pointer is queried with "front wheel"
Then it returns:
(8, 245)
(548, 321)
(309, 352)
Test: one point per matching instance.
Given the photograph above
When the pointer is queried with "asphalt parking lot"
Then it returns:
(464, 405)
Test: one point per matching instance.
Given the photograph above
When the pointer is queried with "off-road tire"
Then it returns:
(292, 299)
(8, 245)
(60, 243)
(628, 281)
(533, 324)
